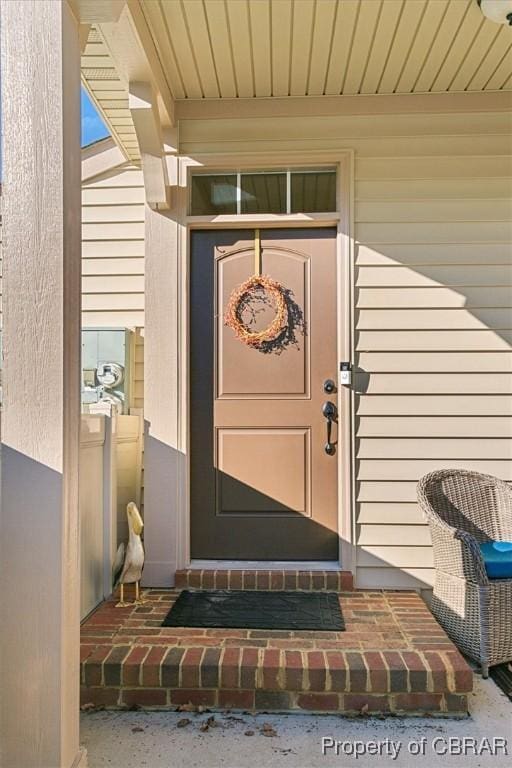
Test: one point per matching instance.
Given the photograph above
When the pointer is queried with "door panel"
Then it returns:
(262, 485)
(258, 459)
(240, 371)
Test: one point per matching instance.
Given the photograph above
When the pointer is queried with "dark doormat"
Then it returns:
(502, 676)
(238, 609)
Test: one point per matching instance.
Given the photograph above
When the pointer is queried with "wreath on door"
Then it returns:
(255, 287)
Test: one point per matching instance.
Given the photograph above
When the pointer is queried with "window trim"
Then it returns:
(261, 172)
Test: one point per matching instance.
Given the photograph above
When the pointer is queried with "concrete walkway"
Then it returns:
(167, 740)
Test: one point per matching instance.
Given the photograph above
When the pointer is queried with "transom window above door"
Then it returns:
(298, 191)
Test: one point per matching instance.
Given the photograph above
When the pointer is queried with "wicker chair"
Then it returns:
(465, 509)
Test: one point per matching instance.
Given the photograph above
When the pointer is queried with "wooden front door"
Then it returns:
(263, 485)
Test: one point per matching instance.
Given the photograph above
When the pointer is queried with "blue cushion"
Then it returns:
(497, 557)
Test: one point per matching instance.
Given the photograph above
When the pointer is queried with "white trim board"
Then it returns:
(360, 104)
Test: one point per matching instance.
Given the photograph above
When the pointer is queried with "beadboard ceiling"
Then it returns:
(260, 48)
(228, 49)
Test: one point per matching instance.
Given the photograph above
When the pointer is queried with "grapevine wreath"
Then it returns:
(239, 300)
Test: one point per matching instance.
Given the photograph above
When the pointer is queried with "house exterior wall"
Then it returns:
(113, 249)
(113, 258)
(432, 287)
(113, 205)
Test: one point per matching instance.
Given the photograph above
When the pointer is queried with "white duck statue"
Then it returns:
(129, 560)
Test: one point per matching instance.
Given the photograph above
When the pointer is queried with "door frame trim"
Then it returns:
(343, 161)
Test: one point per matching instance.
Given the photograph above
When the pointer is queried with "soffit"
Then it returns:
(109, 93)
(260, 48)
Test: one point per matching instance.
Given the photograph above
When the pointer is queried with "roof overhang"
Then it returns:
(197, 59)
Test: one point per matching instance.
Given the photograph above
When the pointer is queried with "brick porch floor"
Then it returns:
(393, 658)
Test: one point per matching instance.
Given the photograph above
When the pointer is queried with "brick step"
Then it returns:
(393, 659)
(279, 680)
(310, 581)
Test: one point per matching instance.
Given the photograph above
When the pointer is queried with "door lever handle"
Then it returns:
(330, 412)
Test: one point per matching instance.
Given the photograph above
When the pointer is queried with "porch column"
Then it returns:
(39, 553)
(163, 462)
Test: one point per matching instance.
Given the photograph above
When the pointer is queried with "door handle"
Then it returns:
(330, 412)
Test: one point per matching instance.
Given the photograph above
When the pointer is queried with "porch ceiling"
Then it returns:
(198, 50)
(260, 48)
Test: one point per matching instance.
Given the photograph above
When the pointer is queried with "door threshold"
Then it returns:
(266, 565)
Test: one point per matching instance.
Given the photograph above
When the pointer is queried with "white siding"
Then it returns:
(432, 284)
(113, 249)
(113, 295)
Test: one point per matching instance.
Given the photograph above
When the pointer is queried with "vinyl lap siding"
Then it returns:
(432, 285)
(113, 259)
(113, 249)
(433, 326)
(113, 296)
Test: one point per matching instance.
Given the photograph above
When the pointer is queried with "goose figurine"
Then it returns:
(129, 560)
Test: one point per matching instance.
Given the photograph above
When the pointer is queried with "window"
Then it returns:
(263, 193)
(214, 195)
(313, 192)
(301, 191)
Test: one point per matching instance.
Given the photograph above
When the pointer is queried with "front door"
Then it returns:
(263, 472)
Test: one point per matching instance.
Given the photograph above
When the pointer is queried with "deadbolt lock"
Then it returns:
(329, 386)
